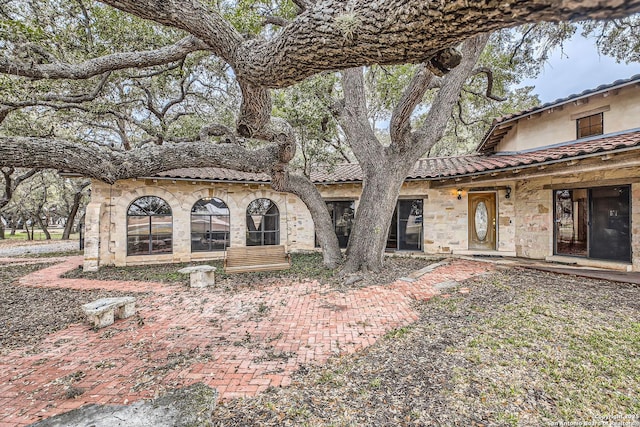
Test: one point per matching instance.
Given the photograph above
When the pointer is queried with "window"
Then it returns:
(590, 125)
(263, 223)
(405, 232)
(149, 227)
(342, 216)
(209, 225)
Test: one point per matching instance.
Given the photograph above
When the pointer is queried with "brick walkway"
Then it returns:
(240, 342)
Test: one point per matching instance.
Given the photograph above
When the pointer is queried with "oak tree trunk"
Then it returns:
(368, 238)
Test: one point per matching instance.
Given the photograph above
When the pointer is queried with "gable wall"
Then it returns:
(556, 126)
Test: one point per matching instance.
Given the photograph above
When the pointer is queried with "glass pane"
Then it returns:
(343, 221)
(161, 234)
(481, 218)
(571, 222)
(137, 235)
(410, 225)
(261, 207)
(149, 205)
(210, 207)
(610, 231)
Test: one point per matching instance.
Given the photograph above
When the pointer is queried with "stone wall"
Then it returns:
(106, 220)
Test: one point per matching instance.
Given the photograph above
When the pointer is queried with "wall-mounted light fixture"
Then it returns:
(508, 193)
(459, 193)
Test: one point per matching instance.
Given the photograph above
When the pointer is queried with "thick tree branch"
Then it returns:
(354, 120)
(400, 125)
(112, 165)
(435, 123)
(97, 66)
(275, 20)
(191, 16)
(302, 187)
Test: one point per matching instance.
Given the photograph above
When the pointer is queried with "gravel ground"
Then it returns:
(11, 248)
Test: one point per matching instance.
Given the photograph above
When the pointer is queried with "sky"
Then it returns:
(577, 69)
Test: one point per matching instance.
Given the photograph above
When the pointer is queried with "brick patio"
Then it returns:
(240, 342)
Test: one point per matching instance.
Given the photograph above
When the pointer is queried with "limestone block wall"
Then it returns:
(445, 221)
(534, 213)
(106, 221)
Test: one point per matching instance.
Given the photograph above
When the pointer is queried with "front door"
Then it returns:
(482, 221)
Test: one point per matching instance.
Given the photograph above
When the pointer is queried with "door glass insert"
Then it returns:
(571, 222)
(482, 221)
(405, 232)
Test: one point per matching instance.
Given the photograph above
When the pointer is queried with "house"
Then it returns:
(560, 182)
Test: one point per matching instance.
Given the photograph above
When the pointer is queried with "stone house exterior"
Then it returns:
(558, 182)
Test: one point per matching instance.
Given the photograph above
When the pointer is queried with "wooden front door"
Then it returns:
(482, 221)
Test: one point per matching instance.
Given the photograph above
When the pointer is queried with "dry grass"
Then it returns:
(524, 348)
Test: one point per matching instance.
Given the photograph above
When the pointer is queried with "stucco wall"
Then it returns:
(556, 125)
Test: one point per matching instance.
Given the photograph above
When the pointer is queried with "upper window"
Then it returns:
(263, 223)
(590, 125)
(209, 225)
(149, 226)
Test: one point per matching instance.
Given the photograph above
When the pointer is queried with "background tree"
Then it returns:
(57, 56)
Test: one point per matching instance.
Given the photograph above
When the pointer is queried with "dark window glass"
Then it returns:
(405, 232)
(149, 227)
(590, 125)
(610, 236)
(571, 222)
(342, 216)
(209, 225)
(263, 223)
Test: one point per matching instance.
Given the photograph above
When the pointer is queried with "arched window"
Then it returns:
(263, 223)
(209, 225)
(149, 227)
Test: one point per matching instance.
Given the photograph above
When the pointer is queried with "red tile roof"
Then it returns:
(439, 167)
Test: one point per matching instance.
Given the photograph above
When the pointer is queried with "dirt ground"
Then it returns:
(522, 348)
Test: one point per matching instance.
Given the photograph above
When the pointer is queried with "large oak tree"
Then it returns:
(299, 39)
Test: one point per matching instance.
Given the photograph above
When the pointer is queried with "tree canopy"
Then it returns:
(124, 89)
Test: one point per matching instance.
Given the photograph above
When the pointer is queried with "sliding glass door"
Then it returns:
(593, 223)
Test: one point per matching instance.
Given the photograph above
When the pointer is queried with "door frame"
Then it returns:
(471, 219)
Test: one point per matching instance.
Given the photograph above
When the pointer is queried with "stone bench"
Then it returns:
(200, 276)
(102, 312)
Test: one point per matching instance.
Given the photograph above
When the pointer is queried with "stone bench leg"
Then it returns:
(103, 319)
(126, 310)
(202, 279)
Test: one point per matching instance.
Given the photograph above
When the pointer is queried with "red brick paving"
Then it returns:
(240, 342)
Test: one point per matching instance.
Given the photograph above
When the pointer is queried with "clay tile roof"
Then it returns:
(478, 163)
(436, 167)
(503, 124)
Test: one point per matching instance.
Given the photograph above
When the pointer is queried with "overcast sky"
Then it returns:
(577, 69)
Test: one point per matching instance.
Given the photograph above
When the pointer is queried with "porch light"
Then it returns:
(508, 191)
(459, 193)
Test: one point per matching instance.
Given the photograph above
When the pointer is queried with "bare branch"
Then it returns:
(522, 41)
(97, 66)
(489, 73)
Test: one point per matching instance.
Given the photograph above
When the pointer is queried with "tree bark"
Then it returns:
(368, 239)
(334, 35)
(302, 187)
(77, 198)
(43, 226)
